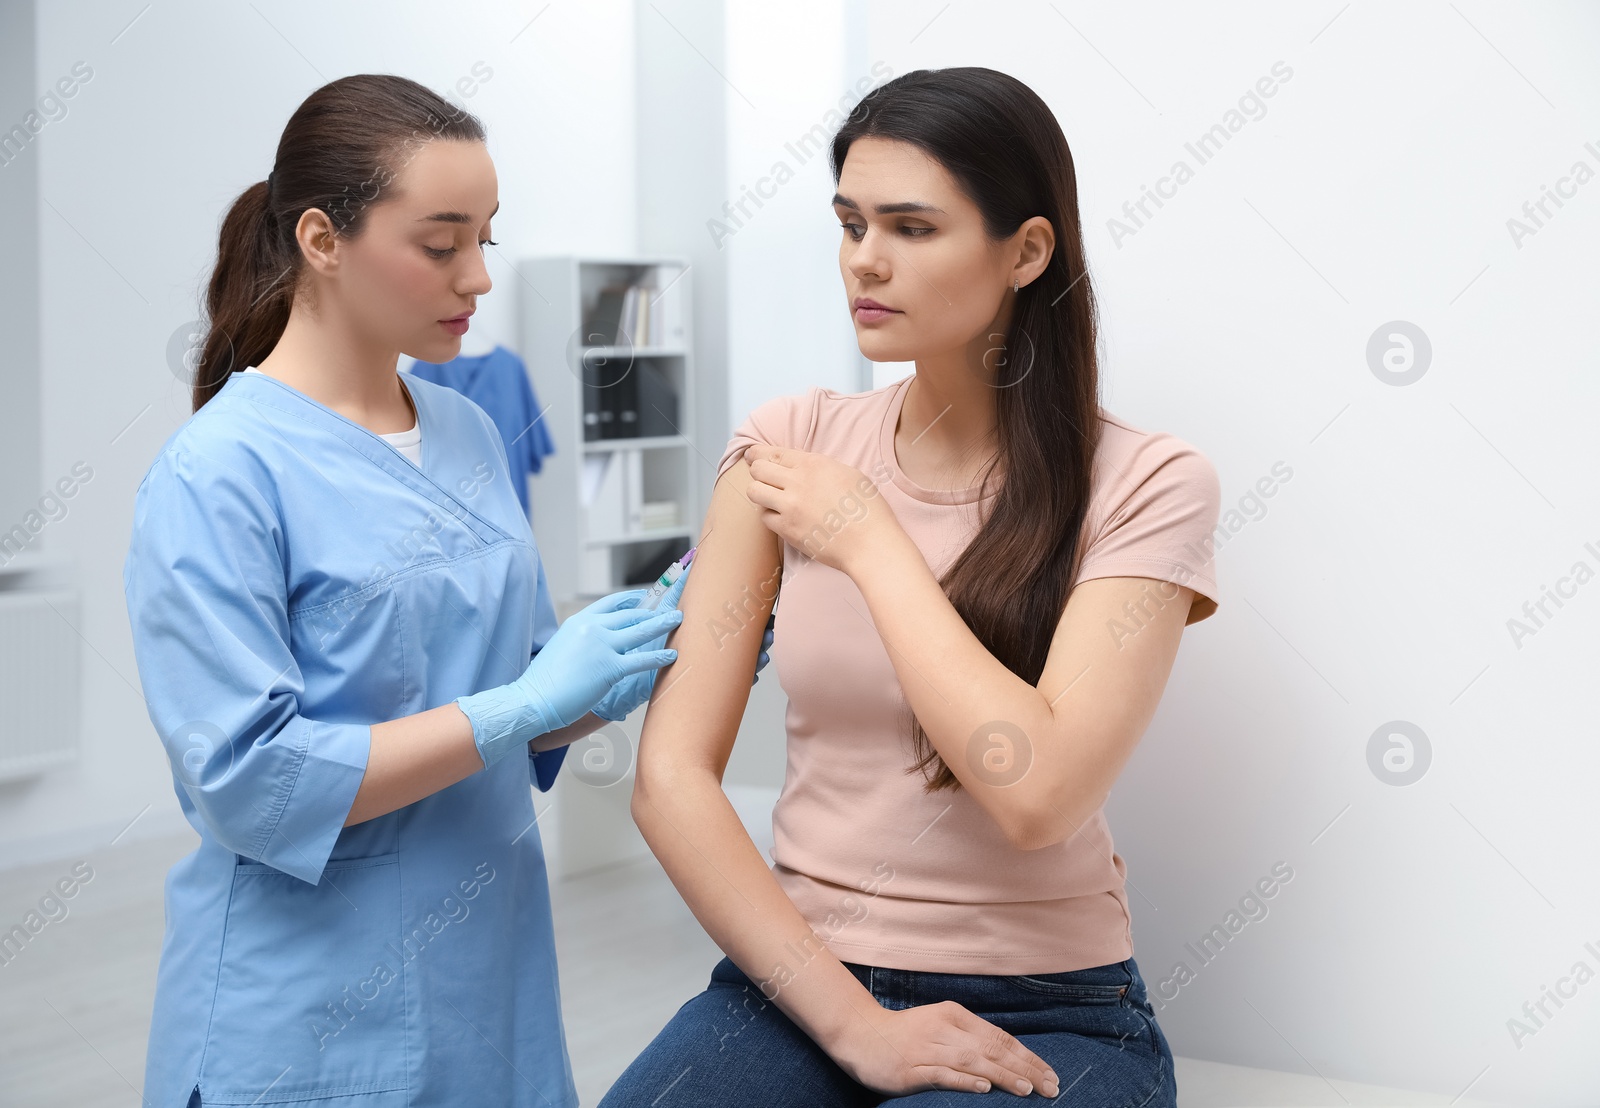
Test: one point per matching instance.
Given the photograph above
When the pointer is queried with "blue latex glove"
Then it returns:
(633, 690)
(588, 654)
(766, 644)
(626, 695)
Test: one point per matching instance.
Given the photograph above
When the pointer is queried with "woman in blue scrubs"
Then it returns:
(349, 650)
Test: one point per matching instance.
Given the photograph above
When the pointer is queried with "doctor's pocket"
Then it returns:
(310, 991)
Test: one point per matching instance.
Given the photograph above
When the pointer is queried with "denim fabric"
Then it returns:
(729, 1046)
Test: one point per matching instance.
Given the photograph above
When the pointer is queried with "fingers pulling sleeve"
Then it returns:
(207, 599)
(781, 421)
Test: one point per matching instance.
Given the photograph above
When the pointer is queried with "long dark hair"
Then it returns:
(1002, 144)
(340, 149)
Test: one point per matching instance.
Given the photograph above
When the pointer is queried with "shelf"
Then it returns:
(588, 505)
(650, 442)
(634, 351)
(632, 263)
(643, 536)
(591, 493)
(31, 561)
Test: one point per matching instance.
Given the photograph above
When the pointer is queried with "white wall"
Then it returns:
(183, 111)
(1376, 583)
(790, 71)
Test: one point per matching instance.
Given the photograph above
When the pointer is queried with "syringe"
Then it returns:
(667, 579)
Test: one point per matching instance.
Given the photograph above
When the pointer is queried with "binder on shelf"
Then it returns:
(628, 324)
(626, 398)
(657, 402)
(602, 327)
(610, 396)
(621, 317)
(594, 399)
(648, 313)
(626, 404)
(622, 396)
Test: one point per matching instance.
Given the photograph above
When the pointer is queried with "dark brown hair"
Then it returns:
(340, 149)
(1003, 146)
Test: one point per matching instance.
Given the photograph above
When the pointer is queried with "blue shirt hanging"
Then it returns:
(498, 383)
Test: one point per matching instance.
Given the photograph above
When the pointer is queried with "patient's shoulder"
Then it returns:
(780, 421)
(820, 419)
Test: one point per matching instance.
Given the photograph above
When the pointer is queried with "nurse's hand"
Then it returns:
(634, 689)
(589, 653)
(627, 694)
(766, 644)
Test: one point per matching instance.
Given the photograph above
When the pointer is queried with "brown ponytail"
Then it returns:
(340, 149)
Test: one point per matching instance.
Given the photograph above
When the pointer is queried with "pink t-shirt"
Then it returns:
(887, 874)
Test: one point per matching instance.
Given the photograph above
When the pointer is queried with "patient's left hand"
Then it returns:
(823, 507)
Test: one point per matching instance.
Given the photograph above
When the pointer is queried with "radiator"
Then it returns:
(39, 651)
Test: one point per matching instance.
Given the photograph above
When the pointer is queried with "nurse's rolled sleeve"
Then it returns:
(544, 765)
(206, 592)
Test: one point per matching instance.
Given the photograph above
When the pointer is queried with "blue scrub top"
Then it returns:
(292, 580)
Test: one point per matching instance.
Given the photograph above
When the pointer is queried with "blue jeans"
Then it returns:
(732, 1047)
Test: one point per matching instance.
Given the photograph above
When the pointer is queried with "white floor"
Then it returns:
(75, 1003)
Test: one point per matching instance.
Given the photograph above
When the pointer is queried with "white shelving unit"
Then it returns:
(590, 500)
(600, 507)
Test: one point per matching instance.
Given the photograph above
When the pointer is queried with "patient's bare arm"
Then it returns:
(679, 806)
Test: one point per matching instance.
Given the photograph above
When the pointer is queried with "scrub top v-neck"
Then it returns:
(291, 580)
(409, 442)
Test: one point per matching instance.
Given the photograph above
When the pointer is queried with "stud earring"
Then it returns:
(1016, 286)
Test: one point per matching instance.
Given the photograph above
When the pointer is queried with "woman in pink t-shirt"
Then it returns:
(984, 577)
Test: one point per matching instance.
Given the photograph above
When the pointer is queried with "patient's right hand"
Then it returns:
(941, 1046)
